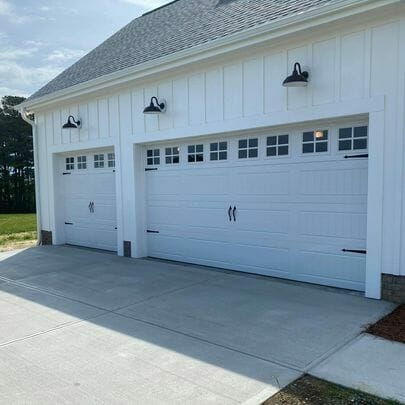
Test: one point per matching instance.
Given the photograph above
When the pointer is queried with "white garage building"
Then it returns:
(236, 169)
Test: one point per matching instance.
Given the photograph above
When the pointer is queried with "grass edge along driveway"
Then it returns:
(17, 231)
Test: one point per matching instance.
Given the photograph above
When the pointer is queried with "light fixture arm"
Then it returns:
(74, 121)
(297, 67)
(160, 105)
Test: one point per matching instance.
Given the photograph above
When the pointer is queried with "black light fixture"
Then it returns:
(298, 78)
(155, 107)
(71, 123)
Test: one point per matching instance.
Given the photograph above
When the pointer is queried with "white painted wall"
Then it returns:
(357, 67)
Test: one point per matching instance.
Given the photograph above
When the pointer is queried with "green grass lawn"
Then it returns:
(17, 230)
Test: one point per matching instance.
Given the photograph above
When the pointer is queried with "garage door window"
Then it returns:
(277, 145)
(153, 157)
(111, 160)
(82, 162)
(195, 153)
(172, 155)
(98, 161)
(353, 138)
(218, 151)
(248, 148)
(315, 141)
(70, 163)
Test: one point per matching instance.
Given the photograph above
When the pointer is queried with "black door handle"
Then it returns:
(229, 213)
(233, 213)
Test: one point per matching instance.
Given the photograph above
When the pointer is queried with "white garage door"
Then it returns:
(284, 204)
(90, 200)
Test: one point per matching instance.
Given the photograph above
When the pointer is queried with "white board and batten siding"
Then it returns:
(349, 67)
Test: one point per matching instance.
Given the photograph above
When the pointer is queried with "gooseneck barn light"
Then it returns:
(155, 107)
(298, 77)
(71, 123)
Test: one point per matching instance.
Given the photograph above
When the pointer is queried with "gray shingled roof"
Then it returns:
(177, 26)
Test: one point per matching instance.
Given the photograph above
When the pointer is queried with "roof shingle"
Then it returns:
(179, 25)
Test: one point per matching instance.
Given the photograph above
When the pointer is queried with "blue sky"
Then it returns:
(40, 38)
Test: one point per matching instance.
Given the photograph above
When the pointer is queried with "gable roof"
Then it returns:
(177, 26)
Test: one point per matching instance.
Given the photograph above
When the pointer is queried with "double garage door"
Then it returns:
(290, 204)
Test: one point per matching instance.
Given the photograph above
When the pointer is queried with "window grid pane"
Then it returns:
(99, 161)
(111, 160)
(315, 141)
(219, 151)
(355, 138)
(153, 157)
(82, 162)
(70, 163)
(172, 155)
(277, 145)
(195, 153)
(248, 148)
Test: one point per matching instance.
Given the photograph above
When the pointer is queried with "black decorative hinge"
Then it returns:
(149, 231)
(150, 169)
(362, 252)
(66, 173)
(68, 223)
(363, 156)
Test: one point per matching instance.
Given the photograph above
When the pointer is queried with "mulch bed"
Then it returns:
(391, 327)
(309, 390)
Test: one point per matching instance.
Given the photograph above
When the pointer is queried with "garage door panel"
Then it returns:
(341, 182)
(334, 225)
(194, 217)
(293, 215)
(193, 232)
(333, 266)
(77, 235)
(265, 183)
(266, 257)
(169, 183)
(90, 228)
(77, 208)
(261, 220)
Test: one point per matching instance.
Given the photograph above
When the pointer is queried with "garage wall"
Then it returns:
(361, 61)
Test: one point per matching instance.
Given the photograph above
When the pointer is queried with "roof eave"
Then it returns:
(340, 9)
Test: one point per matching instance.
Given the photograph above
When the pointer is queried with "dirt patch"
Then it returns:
(309, 390)
(390, 327)
(17, 241)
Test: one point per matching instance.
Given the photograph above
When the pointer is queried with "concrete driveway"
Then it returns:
(80, 326)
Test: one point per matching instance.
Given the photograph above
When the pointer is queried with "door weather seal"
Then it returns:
(363, 252)
(363, 156)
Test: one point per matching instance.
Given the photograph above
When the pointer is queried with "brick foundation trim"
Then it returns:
(46, 237)
(127, 249)
(393, 288)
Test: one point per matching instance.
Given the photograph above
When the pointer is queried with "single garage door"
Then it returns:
(290, 204)
(89, 198)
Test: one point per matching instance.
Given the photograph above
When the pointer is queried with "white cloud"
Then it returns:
(4, 8)
(8, 91)
(64, 55)
(16, 76)
(16, 53)
(147, 4)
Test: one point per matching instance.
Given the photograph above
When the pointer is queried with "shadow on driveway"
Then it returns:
(85, 326)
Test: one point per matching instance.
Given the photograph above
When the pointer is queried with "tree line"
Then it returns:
(17, 185)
